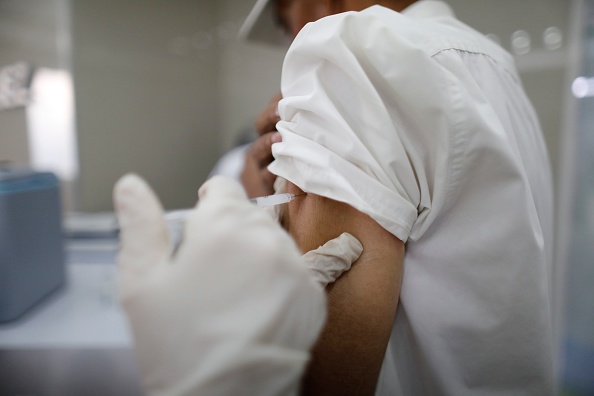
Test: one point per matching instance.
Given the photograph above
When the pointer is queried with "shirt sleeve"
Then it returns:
(364, 119)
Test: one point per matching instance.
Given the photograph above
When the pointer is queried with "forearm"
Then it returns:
(362, 306)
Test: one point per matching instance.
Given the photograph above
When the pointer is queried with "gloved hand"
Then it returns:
(329, 261)
(233, 312)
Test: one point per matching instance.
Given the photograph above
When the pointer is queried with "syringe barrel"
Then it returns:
(271, 200)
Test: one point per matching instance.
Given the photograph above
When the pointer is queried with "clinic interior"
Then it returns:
(164, 88)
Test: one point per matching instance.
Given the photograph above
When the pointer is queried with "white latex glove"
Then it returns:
(234, 312)
(331, 260)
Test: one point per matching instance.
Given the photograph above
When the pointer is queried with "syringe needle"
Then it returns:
(275, 199)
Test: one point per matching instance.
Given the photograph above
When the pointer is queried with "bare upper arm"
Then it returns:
(362, 303)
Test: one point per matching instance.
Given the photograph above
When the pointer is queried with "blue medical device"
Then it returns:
(32, 260)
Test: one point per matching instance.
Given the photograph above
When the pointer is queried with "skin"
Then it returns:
(255, 177)
(294, 14)
(268, 118)
(362, 302)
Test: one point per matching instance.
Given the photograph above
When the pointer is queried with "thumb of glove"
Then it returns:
(330, 261)
(143, 233)
(220, 188)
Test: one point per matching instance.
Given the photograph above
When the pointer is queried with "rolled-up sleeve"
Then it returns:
(363, 120)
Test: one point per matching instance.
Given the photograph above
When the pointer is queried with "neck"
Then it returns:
(396, 5)
(358, 5)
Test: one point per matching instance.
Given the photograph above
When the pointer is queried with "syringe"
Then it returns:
(268, 200)
(276, 199)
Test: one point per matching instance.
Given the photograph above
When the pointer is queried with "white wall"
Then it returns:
(28, 31)
(147, 101)
(168, 117)
(249, 75)
(34, 31)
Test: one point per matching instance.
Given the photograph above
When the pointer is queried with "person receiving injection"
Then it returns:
(235, 309)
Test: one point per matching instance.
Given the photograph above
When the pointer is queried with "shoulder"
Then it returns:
(365, 29)
(379, 27)
(380, 43)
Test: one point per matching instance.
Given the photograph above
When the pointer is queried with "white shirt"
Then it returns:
(422, 123)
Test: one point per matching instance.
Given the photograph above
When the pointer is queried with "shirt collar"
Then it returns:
(427, 9)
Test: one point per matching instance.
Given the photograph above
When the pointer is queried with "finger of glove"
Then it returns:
(220, 187)
(218, 199)
(224, 216)
(328, 262)
(143, 233)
